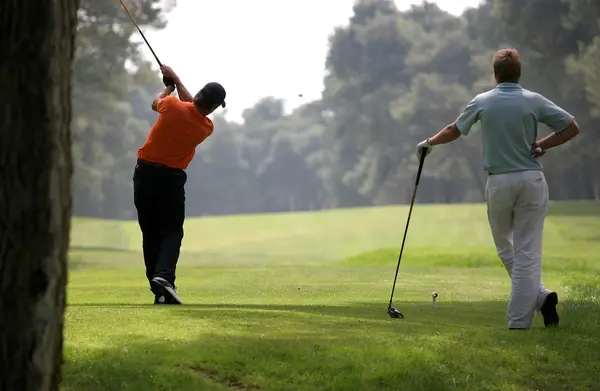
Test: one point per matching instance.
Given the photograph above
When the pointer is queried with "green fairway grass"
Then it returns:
(298, 302)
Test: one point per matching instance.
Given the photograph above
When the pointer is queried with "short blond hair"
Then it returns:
(507, 66)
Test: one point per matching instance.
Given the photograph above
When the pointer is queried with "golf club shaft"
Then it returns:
(412, 202)
(138, 28)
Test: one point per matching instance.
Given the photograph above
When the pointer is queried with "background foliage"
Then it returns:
(393, 78)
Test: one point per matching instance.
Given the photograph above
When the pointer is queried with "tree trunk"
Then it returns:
(36, 42)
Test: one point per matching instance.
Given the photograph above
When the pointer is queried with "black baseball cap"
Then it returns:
(214, 93)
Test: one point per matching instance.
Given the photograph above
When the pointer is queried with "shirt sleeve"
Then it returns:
(468, 117)
(207, 132)
(204, 131)
(552, 115)
(165, 103)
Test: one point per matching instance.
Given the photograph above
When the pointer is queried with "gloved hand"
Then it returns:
(170, 78)
(424, 148)
(168, 82)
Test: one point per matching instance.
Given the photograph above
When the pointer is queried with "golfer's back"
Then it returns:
(509, 116)
(177, 132)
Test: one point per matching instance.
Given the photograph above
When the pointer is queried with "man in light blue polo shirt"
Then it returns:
(516, 191)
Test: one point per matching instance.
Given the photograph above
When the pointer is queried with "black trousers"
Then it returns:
(159, 197)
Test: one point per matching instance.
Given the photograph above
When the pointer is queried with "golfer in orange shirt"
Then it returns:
(160, 176)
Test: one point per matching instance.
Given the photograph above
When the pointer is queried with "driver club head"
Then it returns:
(394, 313)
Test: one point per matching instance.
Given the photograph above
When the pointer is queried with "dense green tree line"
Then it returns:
(393, 78)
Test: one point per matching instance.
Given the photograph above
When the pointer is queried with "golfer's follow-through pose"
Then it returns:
(516, 191)
(159, 177)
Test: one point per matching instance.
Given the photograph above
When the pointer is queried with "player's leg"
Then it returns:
(500, 198)
(530, 213)
(145, 195)
(171, 233)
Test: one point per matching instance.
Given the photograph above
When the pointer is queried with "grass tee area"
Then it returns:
(292, 302)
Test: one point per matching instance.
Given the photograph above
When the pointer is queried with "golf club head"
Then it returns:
(394, 313)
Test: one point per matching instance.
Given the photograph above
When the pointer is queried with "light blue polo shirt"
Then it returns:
(509, 116)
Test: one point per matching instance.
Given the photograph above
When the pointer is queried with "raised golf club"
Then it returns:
(166, 80)
(392, 311)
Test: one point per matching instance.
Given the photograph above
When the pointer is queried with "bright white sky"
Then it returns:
(258, 48)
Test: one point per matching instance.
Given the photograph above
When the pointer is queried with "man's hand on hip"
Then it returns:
(537, 150)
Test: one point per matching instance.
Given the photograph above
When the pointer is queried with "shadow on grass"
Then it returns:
(105, 249)
(487, 313)
(456, 346)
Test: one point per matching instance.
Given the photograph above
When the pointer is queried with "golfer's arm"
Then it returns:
(446, 135)
(556, 139)
(184, 94)
(167, 91)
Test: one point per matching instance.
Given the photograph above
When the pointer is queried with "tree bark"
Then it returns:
(36, 42)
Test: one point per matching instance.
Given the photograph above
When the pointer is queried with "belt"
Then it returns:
(511, 172)
(157, 165)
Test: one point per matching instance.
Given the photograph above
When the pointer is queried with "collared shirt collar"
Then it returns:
(507, 86)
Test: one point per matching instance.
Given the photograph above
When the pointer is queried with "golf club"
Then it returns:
(393, 312)
(166, 80)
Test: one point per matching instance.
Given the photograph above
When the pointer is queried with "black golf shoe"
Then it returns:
(548, 310)
(160, 299)
(164, 292)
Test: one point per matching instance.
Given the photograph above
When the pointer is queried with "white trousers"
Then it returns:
(517, 204)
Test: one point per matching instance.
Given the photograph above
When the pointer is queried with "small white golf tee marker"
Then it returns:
(434, 297)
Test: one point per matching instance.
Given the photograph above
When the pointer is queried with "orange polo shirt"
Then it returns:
(173, 139)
